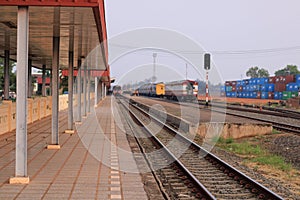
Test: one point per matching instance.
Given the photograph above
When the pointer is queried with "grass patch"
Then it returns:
(274, 131)
(244, 148)
(254, 153)
(273, 160)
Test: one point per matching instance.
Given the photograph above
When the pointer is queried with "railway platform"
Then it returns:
(89, 165)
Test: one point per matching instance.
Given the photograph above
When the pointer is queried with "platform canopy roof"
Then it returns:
(86, 16)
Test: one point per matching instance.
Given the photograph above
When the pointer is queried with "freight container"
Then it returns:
(285, 79)
(294, 94)
(277, 95)
(298, 78)
(280, 87)
(239, 82)
(247, 94)
(223, 94)
(286, 95)
(233, 88)
(252, 81)
(223, 88)
(228, 88)
(270, 95)
(293, 87)
(245, 82)
(228, 94)
(244, 88)
(228, 83)
(287, 87)
(233, 94)
(233, 83)
(264, 88)
(264, 95)
(288, 79)
(241, 88)
(271, 87)
(261, 81)
(258, 95)
(247, 88)
(272, 79)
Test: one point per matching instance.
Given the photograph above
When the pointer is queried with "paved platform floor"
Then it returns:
(94, 163)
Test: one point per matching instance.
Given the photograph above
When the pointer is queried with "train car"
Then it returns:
(117, 90)
(152, 89)
(181, 90)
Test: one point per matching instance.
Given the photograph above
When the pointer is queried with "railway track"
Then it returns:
(207, 175)
(280, 124)
(257, 109)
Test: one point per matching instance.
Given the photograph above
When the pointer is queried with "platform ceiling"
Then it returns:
(89, 31)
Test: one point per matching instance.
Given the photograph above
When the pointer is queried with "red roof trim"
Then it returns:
(66, 3)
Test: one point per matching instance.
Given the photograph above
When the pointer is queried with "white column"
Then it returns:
(71, 77)
(22, 84)
(55, 80)
(96, 90)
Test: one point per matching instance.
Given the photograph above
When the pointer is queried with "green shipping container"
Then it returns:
(294, 94)
(287, 95)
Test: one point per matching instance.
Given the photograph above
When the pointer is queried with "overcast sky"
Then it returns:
(238, 33)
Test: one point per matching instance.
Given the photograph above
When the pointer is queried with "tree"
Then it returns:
(288, 70)
(255, 72)
(263, 73)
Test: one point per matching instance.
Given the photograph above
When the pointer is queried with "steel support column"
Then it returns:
(96, 91)
(6, 65)
(55, 79)
(89, 91)
(29, 95)
(21, 112)
(71, 77)
(102, 89)
(78, 79)
(44, 81)
(79, 86)
(84, 89)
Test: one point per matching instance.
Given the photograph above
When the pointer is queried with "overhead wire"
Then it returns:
(223, 52)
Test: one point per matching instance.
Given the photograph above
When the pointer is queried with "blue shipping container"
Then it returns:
(298, 78)
(252, 81)
(271, 87)
(223, 88)
(264, 88)
(245, 82)
(278, 95)
(264, 95)
(228, 94)
(292, 87)
(233, 94)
